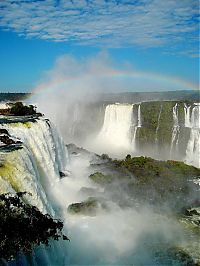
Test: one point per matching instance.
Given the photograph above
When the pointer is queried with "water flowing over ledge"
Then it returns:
(163, 130)
(34, 164)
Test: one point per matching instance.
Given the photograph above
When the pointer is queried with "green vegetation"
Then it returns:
(100, 178)
(146, 167)
(22, 227)
(88, 207)
(19, 109)
(157, 126)
(135, 97)
(153, 113)
(151, 181)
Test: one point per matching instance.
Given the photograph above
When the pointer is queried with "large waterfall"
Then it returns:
(37, 162)
(33, 164)
(116, 130)
(192, 120)
(175, 130)
(165, 130)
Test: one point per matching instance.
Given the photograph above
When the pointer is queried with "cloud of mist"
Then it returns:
(64, 91)
(118, 236)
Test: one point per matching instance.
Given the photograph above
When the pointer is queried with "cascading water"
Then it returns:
(175, 131)
(158, 125)
(178, 136)
(34, 166)
(136, 125)
(42, 140)
(139, 116)
(115, 132)
(187, 115)
(193, 146)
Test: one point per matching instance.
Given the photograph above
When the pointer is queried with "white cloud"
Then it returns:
(148, 23)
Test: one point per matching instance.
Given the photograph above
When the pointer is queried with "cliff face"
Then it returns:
(161, 129)
(170, 130)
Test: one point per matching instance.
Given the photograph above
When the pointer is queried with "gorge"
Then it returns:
(125, 227)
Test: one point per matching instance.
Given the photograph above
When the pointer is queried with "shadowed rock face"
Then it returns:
(6, 139)
(4, 131)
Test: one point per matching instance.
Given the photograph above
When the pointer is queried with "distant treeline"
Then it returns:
(133, 97)
(14, 96)
(128, 97)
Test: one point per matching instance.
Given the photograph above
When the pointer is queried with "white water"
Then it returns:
(158, 126)
(139, 116)
(116, 130)
(193, 146)
(119, 131)
(35, 169)
(107, 237)
(175, 131)
(42, 140)
(187, 115)
(137, 124)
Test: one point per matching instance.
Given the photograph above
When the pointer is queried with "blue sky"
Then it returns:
(150, 36)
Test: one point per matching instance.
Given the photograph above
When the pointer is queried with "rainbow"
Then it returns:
(173, 82)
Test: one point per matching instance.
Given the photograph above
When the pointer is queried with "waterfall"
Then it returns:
(47, 148)
(136, 125)
(34, 166)
(158, 125)
(116, 127)
(187, 115)
(193, 146)
(175, 130)
(139, 117)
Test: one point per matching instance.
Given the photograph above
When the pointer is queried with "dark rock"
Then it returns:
(62, 175)
(4, 131)
(191, 212)
(7, 140)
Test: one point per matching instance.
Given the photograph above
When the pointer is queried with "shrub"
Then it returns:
(23, 226)
(19, 109)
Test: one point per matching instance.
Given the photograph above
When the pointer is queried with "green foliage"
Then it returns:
(88, 207)
(19, 109)
(151, 181)
(158, 116)
(100, 178)
(148, 167)
(23, 226)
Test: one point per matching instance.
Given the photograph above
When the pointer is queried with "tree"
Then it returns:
(19, 109)
(23, 226)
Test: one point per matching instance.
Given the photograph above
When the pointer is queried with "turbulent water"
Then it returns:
(116, 130)
(35, 165)
(192, 120)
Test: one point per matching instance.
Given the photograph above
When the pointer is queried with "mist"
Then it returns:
(70, 95)
(115, 236)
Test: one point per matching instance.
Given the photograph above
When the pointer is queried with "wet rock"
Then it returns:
(7, 140)
(4, 131)
(64, 174)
